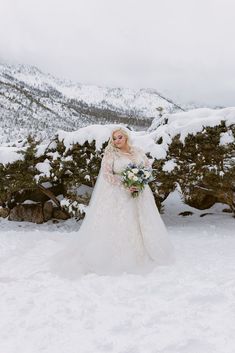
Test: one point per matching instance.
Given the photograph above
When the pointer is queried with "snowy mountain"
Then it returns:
(32, 101)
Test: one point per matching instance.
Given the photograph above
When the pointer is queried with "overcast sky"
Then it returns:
(182, 48)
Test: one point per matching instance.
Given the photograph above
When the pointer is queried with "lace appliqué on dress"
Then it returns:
(107, 165)
(107, 169)
(146, 160)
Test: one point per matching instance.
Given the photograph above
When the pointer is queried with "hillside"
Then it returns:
(32, 101)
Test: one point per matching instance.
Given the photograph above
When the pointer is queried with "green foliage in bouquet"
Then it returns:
(137, 176)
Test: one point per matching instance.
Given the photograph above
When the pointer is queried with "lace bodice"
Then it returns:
(113, 163)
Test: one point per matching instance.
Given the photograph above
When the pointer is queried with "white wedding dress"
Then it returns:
(119, 233)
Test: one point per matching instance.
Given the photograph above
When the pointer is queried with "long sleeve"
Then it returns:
(107, 169)
(147, 161)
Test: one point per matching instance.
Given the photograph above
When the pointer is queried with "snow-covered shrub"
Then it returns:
(62, 166)
(200, 156)
(194, 150)
(17, 169)
(74, 208)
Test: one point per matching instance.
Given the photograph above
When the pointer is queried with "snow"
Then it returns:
(183, 123)
(190, 122)
(48, 107)
(29, 202)
(184, 308)
(137, 100)
(44, 168)
(41, 148)
(73, 206)
(169, 166)
(226, 137)
(101, 133)
(47, 184)
(9, 155)
(97, 133)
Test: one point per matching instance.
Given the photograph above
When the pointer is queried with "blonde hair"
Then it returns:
(124, 131)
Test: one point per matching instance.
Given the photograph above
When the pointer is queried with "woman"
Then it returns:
(119, 233)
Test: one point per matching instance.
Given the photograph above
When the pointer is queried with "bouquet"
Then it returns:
(136, 175)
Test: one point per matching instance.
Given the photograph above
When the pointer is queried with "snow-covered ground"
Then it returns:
(185, 308)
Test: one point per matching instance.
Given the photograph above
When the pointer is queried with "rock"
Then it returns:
(186, 213)
(201, 200)
(27, 212)
(206, 214)
(4, 212)
(60, 214)
(36, 194)
(227, 210)
(47, 211)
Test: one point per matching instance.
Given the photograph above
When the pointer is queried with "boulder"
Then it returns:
(201, 200)
(27, 212)
(60, 214)
(4, 212)
(36, 194)
(47, 211)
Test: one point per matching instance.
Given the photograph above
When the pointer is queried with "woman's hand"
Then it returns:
(133, 188)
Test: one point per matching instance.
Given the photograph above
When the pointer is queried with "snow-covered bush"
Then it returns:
(194, 150)
(200, 156)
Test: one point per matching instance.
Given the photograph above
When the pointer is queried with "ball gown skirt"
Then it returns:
(119, 233)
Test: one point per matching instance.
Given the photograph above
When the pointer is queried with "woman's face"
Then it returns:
(119, 139)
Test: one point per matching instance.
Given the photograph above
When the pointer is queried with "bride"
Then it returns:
(119, 233)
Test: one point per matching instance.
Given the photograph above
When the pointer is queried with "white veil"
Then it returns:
(66, 262)
(98, 189)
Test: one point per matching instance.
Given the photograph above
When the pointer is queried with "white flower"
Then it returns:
(135, 178)
(130, 175)
(147, 174)
(135, 170)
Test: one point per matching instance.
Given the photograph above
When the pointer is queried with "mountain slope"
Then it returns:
(32, 101)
